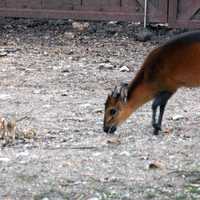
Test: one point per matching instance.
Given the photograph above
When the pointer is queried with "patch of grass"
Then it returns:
(150, 195)
(51, 195)
(109, 195)
(181, 196)
(156, 192)
(27, 178)
(193, 189)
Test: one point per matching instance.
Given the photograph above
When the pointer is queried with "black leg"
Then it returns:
(160, 101)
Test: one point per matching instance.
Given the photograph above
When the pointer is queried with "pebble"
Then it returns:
(106, 66)
(45, 53)
(78, 26)
(5, 96)
(177, 117)
(3, 53)
(22, 154)
(69, 35)
(36, 91)
(93, 198)
(4, 159)
(124, 69)
(112, 22)
(125, 153)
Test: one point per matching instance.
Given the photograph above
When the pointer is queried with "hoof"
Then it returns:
(156, 129)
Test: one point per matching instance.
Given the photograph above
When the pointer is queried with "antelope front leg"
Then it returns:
(160, 101)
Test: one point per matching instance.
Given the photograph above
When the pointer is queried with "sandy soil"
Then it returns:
(58, 79)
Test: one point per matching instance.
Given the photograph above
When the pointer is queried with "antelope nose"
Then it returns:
(106, 129)
(110, 130)
(113, 129)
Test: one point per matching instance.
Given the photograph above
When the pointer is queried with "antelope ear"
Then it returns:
(115, 92)
(124, 92)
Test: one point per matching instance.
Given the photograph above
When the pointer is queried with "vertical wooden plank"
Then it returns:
(103, 5)
(184, 14)
(94, 5)
(23, 4)
(2, 3)
(61, 4)
(158, 10)
(133, 6)
(186, 9)
(172, 13)
(110, 5)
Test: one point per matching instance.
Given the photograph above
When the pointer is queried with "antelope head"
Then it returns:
(115, 108)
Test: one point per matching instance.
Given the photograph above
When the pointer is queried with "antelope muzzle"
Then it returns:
(109, 129)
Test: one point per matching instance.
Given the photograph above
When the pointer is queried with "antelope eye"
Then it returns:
(113, 112)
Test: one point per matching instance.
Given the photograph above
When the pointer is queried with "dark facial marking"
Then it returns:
(113, 112)
(110, 130)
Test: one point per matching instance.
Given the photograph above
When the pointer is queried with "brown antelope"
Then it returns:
(167, 68)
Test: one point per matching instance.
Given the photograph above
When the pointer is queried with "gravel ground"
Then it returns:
(57, 80)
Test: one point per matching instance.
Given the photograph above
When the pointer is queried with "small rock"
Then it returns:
(126, 196)
(69, 35)
(177, 117)
(29, 133)
(8, 26)
(81, 27)
(65, 71)
(167, 131)
(36, 91)
(4, 159)
(106, 66)
(112, 22)
(93, 198)
(124, 153)
(3, 53)
(98, 111)
(114, 141)
(46, 37)
(45, 53)
(92, 28)
(97, 154)
(70, 52)
(144, 35)
(131, 65)
(5, 96)
(155, 165)
(11, 50)
(45, 198)
(22, 154)
(124, 69)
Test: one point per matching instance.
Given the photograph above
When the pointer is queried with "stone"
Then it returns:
(177, 117)
(124, 69)
(69, 35)
(80, 27)
(106, 66)
(143, 35)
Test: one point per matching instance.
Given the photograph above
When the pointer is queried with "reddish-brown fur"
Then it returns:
(167, 68)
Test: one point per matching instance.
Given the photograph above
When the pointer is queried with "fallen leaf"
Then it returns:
(167, 131)
(155, 165)
(29, 133)
(114, 141)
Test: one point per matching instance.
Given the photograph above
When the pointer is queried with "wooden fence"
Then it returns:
(177, 13)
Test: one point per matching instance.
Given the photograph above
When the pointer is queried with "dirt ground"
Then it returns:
(57, 80)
